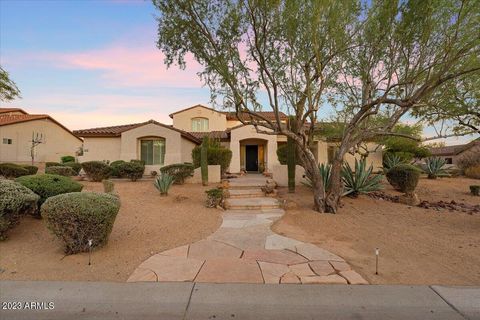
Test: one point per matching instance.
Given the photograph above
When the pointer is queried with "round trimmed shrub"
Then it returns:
(30, 169)
(53, 164)
(66, 159)
(216, 155)
(97, 170)
(78, 217)
(404, 177)
(12, 170)
(15, 200)
(131, 170)
(61, 171)
(75, 166)
(49, 185)
(116, 168)
(179, 171)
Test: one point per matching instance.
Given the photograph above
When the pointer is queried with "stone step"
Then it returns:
(246, 193)
(246, 183)
(251, 203)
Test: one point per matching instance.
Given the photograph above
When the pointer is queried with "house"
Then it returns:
(18, 128)
(160, 144)
(451, 154)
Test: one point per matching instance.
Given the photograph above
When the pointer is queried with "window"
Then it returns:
(199, 124)
(449, 160)
(7, 141)
(152, 151)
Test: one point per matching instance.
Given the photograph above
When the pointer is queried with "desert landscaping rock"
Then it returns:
(301, 270)
(353, 277)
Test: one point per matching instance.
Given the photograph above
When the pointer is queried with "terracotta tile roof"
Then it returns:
(212, 134)
(270, 115)
(116, 131)
(7, 110)
(453, 150)
(12, 119)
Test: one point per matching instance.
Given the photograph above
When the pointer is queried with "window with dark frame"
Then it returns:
(7, 141)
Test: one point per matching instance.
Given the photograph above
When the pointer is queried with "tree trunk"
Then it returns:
(312, 171)
(335, 190)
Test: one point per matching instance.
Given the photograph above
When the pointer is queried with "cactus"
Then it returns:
(163, 183)
(204, 161)
(291, 165)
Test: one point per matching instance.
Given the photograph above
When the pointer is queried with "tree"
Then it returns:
(367, 59)
(406, 148)
(8, 88)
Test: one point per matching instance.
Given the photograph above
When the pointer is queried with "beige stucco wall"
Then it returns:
(280, 174)
(99, 149)
(216, 121)
(375, 157)
(214, 175)
(473, 151)
(187, 147)
(249, 132)
(58, 141)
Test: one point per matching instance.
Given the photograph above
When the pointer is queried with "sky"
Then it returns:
(93, 63)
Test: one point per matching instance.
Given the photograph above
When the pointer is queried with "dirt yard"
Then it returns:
(146, 224)
(417, 246)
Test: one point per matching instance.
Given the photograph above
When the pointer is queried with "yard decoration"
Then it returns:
(475, 190)
(108, 186)
(435, 167)
(214, 198)
(163, 183)
(78, 217)
(97, 170)
(15, 200)
(204, 161)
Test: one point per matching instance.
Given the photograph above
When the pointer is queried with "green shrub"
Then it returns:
(138, 161)
(49, 185)
(282, 151)
(204, 163)
(60, 170)
(97, 170)
(11, 170)
(131, 170)
(475, 190)
(434, 167)
(163, 183)
(75, 166)
(391, 160)
(179, 171)
(115, 167)
(108, 186)
(404, 177)
(361, 180)
(78, 217)
(15, 200)
(216, 155)
(30, 169)
(214, 197)
(53, 164)
(66, 159)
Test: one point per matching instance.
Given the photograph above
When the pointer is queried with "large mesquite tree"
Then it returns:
(375, 59)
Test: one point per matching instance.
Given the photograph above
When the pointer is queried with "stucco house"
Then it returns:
(17, 127)
(160, 144)
(451, 154)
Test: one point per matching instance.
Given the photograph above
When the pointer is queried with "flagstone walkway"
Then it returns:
(245, 250)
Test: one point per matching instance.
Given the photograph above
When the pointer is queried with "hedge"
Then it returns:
(15, 200)
(404, 177)
(75, 218)
(66, 159)
(179, 171)
(53, 164)
(11, 170)
(60, 170)
(97, 170)
(116, 168)
(75, 166)
(216, 155)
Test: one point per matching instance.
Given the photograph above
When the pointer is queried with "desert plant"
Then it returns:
(142, 162)
(204, 162)
(214, 197)
(163, 183)
(96, 170)
(291, 164)
(473, 172)
(15, 200)
(435, 167)
(404, 177)
(108, 186)
(75, 166)
(61, 170)
(78, 217)
(216, 155)
(66, 159)
(325, 170)
(49, 185)
(116, 168)
(53, 164)
(30, 169)
(179, 171)
(361, 180)
(131, 170)
(391, 160)
(475, 190)
(11, 170)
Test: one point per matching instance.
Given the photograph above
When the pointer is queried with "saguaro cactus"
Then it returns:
(291, 165)
(204, 161)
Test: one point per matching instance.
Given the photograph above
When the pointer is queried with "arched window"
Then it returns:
(152, 150)
(199, 124)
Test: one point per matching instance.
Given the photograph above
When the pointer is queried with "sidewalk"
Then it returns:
(178, 300)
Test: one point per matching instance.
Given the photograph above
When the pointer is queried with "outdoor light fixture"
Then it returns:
(377, 252)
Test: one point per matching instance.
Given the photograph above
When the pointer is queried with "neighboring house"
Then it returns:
(159, 144)
(17, 128)
(452, 154)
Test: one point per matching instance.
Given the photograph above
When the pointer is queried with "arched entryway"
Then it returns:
(253, 155)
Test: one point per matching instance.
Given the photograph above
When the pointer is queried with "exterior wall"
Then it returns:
(216, 121)
(374, 158)
(99, 149)
(473, 151)
(58, 142)
(322, 152)
(214, 175)
(233, 123)
(187, 147)
(249, 132)
(280, 174)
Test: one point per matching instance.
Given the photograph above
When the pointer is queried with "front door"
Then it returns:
(251, 158)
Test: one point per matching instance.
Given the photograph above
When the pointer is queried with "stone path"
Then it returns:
(245, 250)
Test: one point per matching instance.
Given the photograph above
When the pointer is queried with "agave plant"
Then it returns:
(163, 183)
(360, 180)
(391, 160)
(325, 171)
(435, 167)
